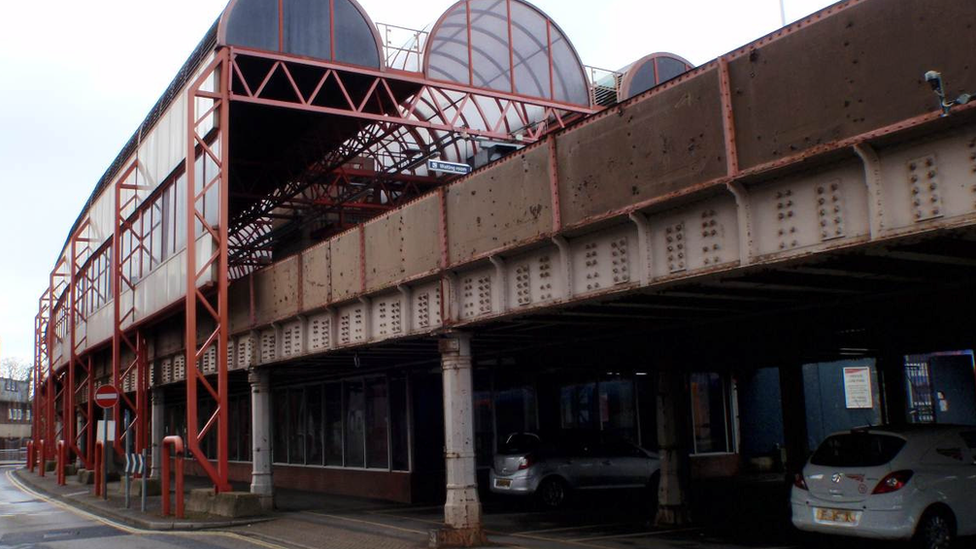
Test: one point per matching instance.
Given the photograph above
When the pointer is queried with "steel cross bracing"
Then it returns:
(128, 245)
(59, 285)
(41, 368)
(211, 88)
(403, 120)
(80, 249)
(381, 104)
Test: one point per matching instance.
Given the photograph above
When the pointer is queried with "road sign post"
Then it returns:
(106, 396)
(145, 486)
(128, 457)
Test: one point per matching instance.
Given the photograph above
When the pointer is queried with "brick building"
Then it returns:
(15, 413)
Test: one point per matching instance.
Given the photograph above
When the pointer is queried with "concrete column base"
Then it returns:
(457, 537)
(672, 515)
(224, 504)
(463, 509)
(153, 487)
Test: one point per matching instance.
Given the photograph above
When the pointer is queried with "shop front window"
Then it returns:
(577, 406)
(618, 412)
(313, 425)
(711, 414)
(355, 423)
(333, 424)
(399, 424)
(377, 415)
(358, 423)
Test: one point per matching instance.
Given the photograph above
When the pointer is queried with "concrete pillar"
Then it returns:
(462, 510)
(158, 408)
(261, 474)
(673, 431)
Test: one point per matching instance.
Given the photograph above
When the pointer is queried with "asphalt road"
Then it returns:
(30, 520)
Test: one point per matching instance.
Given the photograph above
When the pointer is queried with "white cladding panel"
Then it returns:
(161, 151)
(102, 218)
(164, 149)
(100, 324)
(167, 283)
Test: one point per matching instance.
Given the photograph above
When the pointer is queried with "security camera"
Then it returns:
(934, 78)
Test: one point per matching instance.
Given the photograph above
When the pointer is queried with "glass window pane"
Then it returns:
(617, 411)
(211, 207)
(708, 403)
(530, 44)
(305, 25)
(577, 405)
(570, 82)
(233, 427)
(641, 79)
(669, 68)
(296, 426)
(515, 411)
(484, 423)
(313, 424)
(333, 424)
(377, 414)
(448, 48)
(167, 219)
(254, 23)
(180, 212)
(280, 426)
(399, 424)
(355, 423)
(490, 57)
(355, 42)
(245, 430)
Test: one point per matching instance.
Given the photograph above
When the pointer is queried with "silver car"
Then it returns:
(914, 483)
(530, 465)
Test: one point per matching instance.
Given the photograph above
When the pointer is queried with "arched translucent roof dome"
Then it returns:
(507, 46)
(651, 71)
(307, 28)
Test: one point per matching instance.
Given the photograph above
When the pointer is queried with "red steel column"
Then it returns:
(216, 265)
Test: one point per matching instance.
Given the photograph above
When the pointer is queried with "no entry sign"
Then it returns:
(106, 396)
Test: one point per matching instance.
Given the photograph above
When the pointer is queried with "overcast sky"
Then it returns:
(77, 77)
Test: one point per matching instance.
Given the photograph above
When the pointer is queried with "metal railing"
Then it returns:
(16, 454)
(604, 86)
(403, 48)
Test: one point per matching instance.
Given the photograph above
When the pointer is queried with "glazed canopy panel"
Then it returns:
(306, 28)
(507, 46)
(651, 71)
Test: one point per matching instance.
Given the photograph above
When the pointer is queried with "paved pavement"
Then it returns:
(30, 520)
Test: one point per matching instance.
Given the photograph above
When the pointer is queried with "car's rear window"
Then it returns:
(520, 443)
(857, 450)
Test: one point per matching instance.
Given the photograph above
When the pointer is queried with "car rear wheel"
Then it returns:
(935, 530)
(553, 492)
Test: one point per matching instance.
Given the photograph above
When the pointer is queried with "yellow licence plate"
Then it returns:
(837, 516)
(503, 483)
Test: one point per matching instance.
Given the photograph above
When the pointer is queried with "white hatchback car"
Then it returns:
(915, 483)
